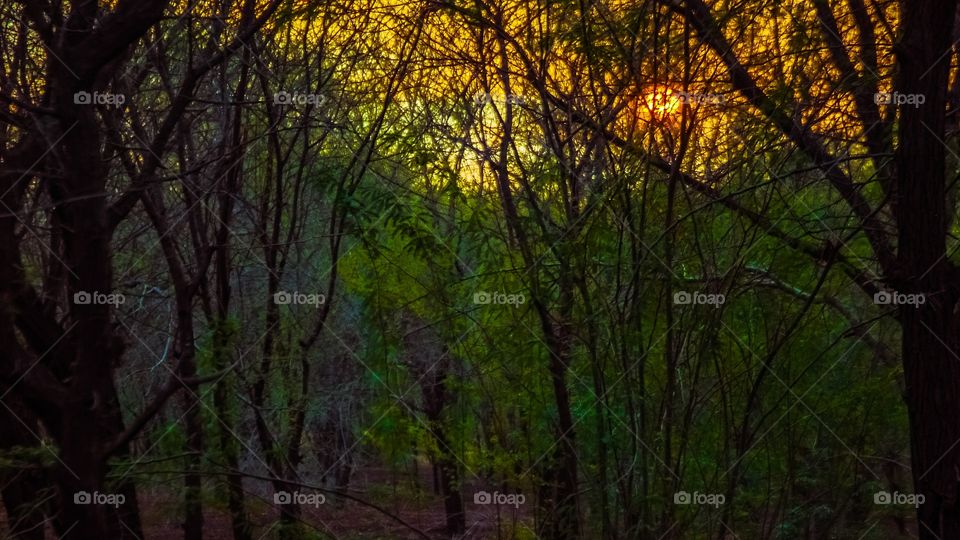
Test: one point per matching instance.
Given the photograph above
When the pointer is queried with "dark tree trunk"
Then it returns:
(931, 333)
(91, 415)
(559, 498)
(435, 402)
(239, 523)
(193, 502)
(224, 335)
(26, 491)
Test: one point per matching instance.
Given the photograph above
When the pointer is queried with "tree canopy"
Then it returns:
(479, 269)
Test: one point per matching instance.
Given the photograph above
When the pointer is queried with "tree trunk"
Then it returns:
(223, 341)
(930, 331)
(435, 402)
(560, 500)
(23, 493)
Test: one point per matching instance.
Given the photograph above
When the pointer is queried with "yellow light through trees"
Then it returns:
(658, 103)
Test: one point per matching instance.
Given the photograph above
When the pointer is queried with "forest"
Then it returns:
(479, 269)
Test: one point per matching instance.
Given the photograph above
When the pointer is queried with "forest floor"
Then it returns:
(412, 500)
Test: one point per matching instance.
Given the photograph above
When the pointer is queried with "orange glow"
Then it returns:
(661, 102)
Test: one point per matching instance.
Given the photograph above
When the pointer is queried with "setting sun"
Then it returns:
(661, 102)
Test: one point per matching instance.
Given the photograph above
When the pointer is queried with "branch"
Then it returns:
(698, 15)
(119, 210)
(173, 385)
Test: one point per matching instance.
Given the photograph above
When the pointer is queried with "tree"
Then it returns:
(916, 260)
